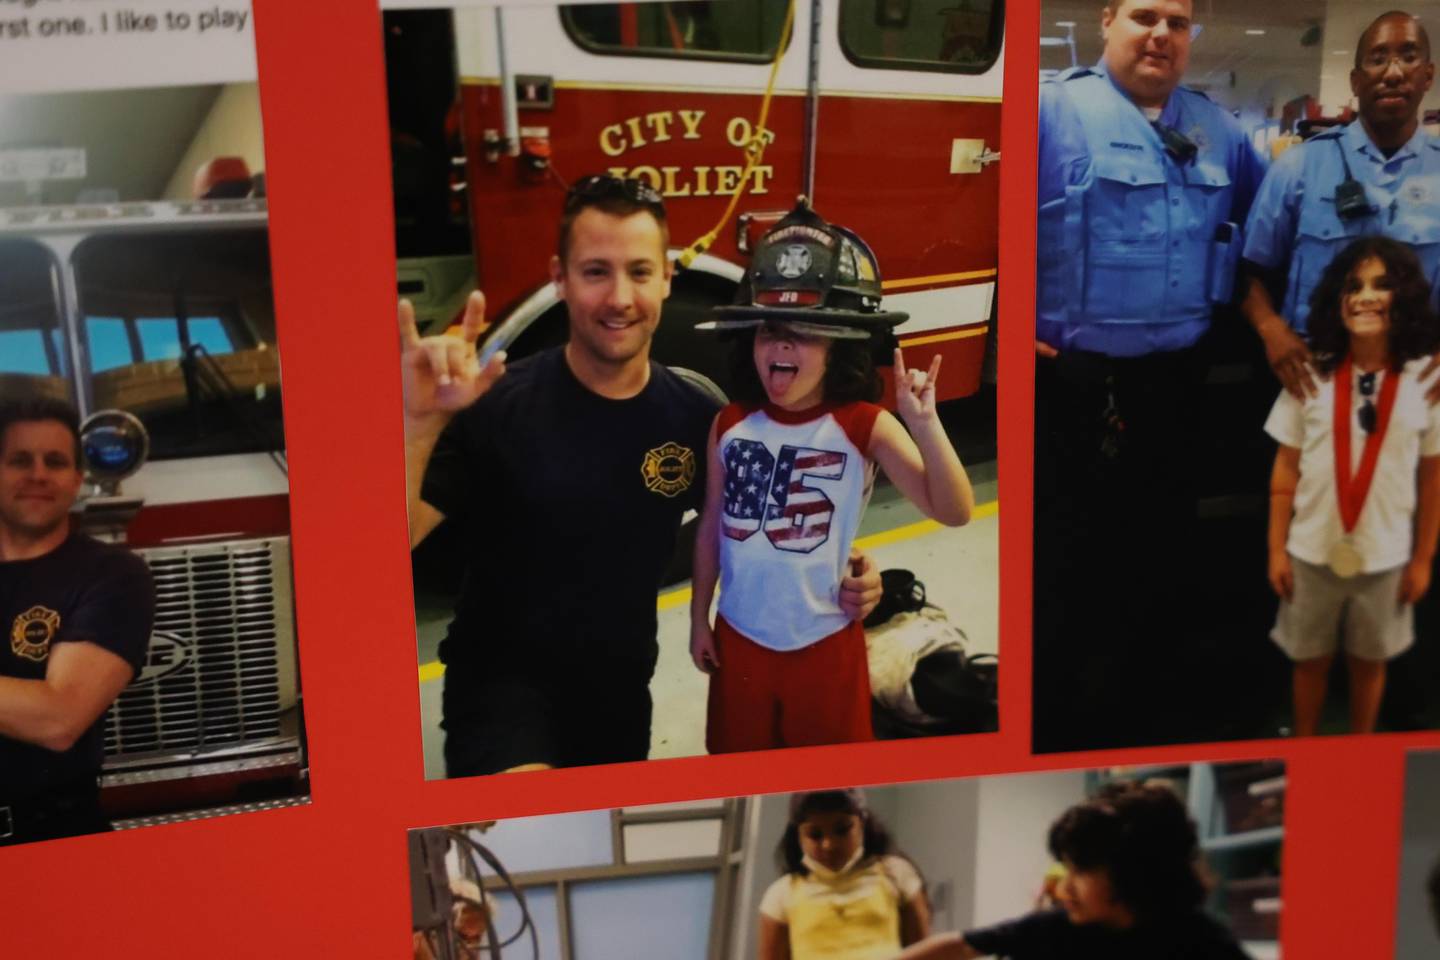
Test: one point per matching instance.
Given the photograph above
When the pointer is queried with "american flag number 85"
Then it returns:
(766, 491)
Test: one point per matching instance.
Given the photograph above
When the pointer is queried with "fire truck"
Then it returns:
(156, 319)
(885, 113)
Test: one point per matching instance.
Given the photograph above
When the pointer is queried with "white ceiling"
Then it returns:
(1243, 70)
(133, 139)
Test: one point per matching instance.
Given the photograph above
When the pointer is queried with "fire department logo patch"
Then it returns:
(32, 631)
(669, 469)
(793, 261)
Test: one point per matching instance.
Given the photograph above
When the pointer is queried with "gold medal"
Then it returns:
(1344, 559)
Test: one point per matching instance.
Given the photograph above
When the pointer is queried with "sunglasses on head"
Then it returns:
(602, 186)
(1367, 409)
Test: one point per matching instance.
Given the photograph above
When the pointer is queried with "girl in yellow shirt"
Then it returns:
(846, 894)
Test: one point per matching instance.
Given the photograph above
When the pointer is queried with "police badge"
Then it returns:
(32, 631)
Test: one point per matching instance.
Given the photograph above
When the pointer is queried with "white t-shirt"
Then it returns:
(1384, 532)
(898, 872)
(794, 489)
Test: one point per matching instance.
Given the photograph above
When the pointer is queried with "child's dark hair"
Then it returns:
(788, 856)
(1143, 838)
(1413, 326)
(850, 372)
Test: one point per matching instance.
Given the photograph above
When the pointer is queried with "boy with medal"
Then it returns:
(1352, 533)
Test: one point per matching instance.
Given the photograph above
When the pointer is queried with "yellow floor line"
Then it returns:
(680, 596)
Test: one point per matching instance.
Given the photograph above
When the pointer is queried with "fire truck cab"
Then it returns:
(164, 310)
(885, 113)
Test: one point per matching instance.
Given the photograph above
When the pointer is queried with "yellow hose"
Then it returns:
(754, 149)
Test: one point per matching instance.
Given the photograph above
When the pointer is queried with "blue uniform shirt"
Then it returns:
(1134, 247)
(1294, 227)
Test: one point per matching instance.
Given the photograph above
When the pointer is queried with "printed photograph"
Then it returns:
(148, 671)
(1417, 903)
(1163, 861)
(1237, 451)
(697, 299)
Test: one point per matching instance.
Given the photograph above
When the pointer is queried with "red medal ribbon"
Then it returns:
(1352, 491)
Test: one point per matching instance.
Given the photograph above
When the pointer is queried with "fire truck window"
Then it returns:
(181, 332)
(959, 36)
(159, 338)
(33, 357)
(699, 29)
(24, 352)
(209, 332)
(107, 342)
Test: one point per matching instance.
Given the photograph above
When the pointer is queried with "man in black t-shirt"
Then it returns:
(76, 614)
(570, 478)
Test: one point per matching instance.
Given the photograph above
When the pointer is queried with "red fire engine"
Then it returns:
(886, 113)
(158, 316)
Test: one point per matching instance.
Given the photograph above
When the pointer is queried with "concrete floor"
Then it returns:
(959, 568)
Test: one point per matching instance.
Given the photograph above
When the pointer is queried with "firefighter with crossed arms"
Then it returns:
(77, 615)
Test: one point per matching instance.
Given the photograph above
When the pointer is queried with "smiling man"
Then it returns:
(1142, 185)
(77, 615)
(570, 475)
(1377, 175)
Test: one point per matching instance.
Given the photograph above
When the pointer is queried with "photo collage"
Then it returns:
(653, 375)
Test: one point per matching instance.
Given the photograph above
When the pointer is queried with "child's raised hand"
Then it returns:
(1282, 575)
(915, 390)
(702, 648)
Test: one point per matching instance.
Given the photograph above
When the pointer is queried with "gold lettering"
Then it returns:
(758, 177)
(660, 125)
(670, 189)
(615, 147)
(636, 138)
(702, 182)
(727, 179)
(691, 119)
(738, 132)
(646, 173)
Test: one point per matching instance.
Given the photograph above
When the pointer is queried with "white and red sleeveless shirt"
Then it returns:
(795, 486)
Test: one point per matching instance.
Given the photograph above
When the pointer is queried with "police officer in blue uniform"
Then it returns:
(1377, 175)
(1143, 185)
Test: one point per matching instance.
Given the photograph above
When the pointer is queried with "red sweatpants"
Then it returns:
(761, 698)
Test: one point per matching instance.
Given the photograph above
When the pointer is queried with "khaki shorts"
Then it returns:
(1359, 613)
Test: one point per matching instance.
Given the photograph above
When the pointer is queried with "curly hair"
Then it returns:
(850, 372)
(1413, 324)
(788, 855)
(1143, 838)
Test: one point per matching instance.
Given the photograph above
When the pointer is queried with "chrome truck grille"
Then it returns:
(221, 668)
